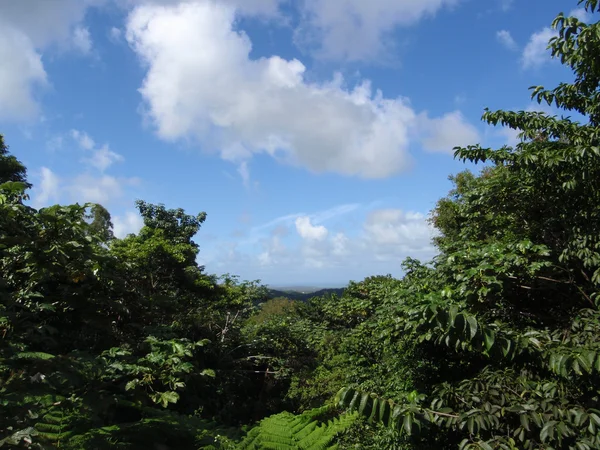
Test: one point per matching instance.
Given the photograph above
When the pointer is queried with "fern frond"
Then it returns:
(286, 431)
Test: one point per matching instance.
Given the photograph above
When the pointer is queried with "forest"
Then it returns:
(494, 344)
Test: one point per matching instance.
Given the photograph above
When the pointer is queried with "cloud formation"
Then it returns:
(357, 30)
(444, 133)
(100, 158)
(201, 83)
(536, 52)
(21, 73)
(506, 39)
(27, 28)
(308, 231)
(130, 222)
(385, 235)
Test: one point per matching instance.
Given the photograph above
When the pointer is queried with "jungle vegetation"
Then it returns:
(494, 344)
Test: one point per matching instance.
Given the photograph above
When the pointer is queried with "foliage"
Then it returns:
(305, 431)
(509, 308)
(104, 342)
(128, 343)
(11, 169)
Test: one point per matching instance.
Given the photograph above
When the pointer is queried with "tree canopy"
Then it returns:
(494, 344)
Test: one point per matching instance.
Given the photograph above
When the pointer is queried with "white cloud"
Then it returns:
(47, 189)
(46, 22)
(83, 139)
(27, 28)
(82, 40)
(449, 131)
(386, 237)
(103, 189)
(536, 53)
(115, 34)
(506, 39)
(581, 14)
(392, 231)
(202, 84)
(83, 188)
(244, 172)
(130, 222)
(308, 231)
(358, 29)
(21, 74)
(103, 158)
(254, 8)
(339, 243)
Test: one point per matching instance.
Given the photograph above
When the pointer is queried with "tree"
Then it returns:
(508, 312)
(11, 169)
(100, 224)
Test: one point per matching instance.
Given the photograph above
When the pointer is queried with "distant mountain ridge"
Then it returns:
(303, 293)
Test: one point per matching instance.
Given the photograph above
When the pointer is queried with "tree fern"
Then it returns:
(306, 431)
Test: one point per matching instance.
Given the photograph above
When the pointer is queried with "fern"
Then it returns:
(306, 431)
(54, 427)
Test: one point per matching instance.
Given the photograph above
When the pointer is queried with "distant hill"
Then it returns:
(303, 293)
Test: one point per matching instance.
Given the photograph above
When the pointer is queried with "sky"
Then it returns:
(317, 135)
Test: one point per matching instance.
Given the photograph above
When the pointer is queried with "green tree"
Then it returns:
(101, 224)
(508, 313)
(11, 169)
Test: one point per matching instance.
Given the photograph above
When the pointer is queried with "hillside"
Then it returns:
(304, 294)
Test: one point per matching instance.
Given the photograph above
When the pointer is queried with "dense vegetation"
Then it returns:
(127, 343)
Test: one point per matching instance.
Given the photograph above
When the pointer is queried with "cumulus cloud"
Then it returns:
(536, 53)
(105, 189)
(202, 83)
(83, 188)
(506, 39)
(130, 222)
(28, 27)
(102, 189)
(357, 29)
(21, 74)
(103, 157)
(444, 133)
(47, 190)
(82, 40)
(394, 231)
(385, 238)
(308, 231)
(50, 189)
(255, 8)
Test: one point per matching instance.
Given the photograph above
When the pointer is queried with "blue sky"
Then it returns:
(316, 134)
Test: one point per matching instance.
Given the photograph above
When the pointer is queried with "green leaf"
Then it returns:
(407, 424)
(472, 321)
(548, 430)
(489, 338)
